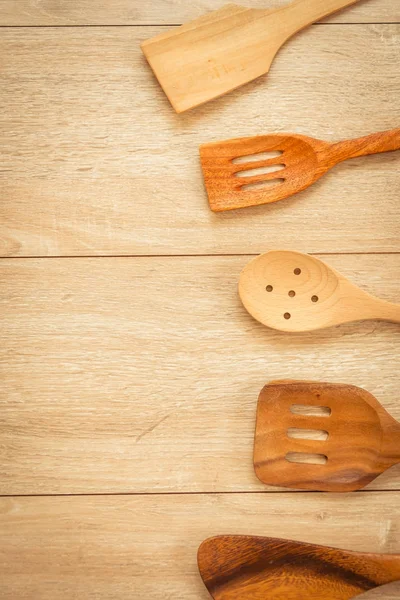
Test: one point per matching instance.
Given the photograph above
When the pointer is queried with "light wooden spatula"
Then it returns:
(322, 437)
(238, 567)
(291, 291)
(227, 48)
(258, 170)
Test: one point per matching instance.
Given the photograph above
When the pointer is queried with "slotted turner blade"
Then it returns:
(227, 48)
(235, 567)
(263, 169)
(322, 437)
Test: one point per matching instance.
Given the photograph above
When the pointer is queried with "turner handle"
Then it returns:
(301, 13)
(384, 141)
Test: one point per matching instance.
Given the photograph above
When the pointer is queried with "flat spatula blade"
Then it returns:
(212, 55)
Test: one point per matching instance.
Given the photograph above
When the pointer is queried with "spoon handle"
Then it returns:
(385, 311)
(384, 141)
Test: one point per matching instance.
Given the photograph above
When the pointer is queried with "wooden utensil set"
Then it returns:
(309, 436)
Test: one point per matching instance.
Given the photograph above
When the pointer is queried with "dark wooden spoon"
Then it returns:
(260, 568)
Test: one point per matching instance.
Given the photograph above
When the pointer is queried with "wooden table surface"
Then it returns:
(129, 369)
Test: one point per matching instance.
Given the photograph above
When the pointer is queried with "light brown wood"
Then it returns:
(253, 567)
(119, 375)
(294, 292)
(142, 374)
(358, 439)
(141, 547)
(251, 171)
(125, 12)
(79, 176)
(227, 48)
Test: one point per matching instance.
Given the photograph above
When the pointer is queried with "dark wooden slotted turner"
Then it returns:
(237, 567)
(322, 437)
(227, 48)
(259, 170)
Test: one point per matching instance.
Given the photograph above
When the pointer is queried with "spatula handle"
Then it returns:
(302, 13)
(384, 141)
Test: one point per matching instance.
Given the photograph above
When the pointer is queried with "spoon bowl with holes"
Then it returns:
(322, 437)
(295, 292)
(263, 169)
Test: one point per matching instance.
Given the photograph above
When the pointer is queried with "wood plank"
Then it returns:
(145, 547)
(142, 374)
(95, 161)
(126, 12)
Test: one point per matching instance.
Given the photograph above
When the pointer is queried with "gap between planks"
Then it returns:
(212, 493)
(216, 255)
(172, 25)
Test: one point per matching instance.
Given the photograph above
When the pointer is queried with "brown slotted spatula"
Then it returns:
(291, 291)
(322, 437)
(236, 567)
(263, 169)
(223, 50)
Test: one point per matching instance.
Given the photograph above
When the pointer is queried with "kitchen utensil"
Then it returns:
(258, 170)
(322, 437)
(237, 567)
(291, 291)
(226, 48)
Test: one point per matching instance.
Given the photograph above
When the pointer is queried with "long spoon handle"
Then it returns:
(384, 141)
(385, 311)
(301, 13)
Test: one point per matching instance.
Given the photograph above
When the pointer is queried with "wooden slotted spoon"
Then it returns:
(259, 170)
(322, 437)
(291, 291)
(223, 50)
(235, 567)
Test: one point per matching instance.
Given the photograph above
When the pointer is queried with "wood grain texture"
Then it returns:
(295, 292)
(142, 375)
(128, 12)
(141, 547)
(362, 439)
(251, 171)
(252, 567)
(227, 48)
(91, 143)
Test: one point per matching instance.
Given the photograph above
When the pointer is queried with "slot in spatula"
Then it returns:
(322, 437)
(227, 48)
(235, 567)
